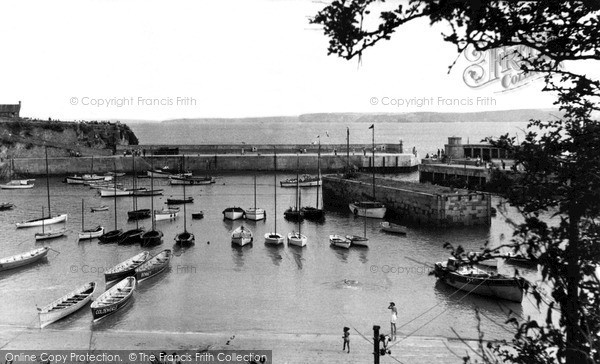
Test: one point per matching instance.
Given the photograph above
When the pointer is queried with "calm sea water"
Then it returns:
(426, 137)
(217, 287)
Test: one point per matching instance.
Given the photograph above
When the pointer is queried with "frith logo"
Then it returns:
(499, 65)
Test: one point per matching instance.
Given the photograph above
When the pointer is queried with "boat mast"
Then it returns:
(298, 191)
(347, 149)
(318, 172)
(47, 185)
(255, 193)
(43, 220)
(185, 202)
(82, 217)
(115, 190)
(373, 127)
(275, 184)
(152, 189)
(134, 185)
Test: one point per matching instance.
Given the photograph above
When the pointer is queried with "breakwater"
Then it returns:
(411, 202)
(205, 163)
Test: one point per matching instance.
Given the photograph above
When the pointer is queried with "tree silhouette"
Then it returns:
(559, 159)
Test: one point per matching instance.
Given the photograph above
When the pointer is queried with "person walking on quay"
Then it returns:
(392, 307)
(346, 338)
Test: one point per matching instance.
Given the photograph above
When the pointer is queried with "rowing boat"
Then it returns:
(22, 259)
(126, 268)
(66, 305)
(113, 299)
(154, 265)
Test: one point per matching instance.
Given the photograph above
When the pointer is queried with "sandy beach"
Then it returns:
(287, 348)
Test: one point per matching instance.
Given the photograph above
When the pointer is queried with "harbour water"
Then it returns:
(216, 287)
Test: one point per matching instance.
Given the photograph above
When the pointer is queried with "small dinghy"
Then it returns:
(154, 265)
(198, 215)
(389, 227)
(126, 268)
(175, 201)
(113, 299)
(6, 206)
(96, 232)
(241, 236)
(339, 241)
(358, 240)
(50, 234)
(99, 208)
(19, 260)
(66, 305)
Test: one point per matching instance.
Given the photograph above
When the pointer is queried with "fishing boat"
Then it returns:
(115, 235)
(143, 192)
(309, 212)
(153, 237)
(198, 215)
(19, 260)
(18, 184)
(66, 305)
(153, 266)
(177, 201)
(44, 220)
(520, 259)
(296, 238)
(474, 280)
(115, 192)
(303, 181)
(372, 209)
(241, 236)
(185, 238)
(99, 208)
(274, 237)
(136, 213)
(166, 214)
(233, 213)
(126, 268)
(46, 235)
(113, 299)
(294, 213)
(6, 206)
(190, 180)
(389, 227)
(255, 213)
(86, 178)
(92, 233)
(339, 241)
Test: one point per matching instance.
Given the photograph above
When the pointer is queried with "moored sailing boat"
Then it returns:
(44, 220)
(255, 213)
(115, 235)
(153, 237)
(185, 238)
(274, 237)
(296, 238)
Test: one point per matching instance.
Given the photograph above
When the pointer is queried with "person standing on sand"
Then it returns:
(346, 338)
(392, 307)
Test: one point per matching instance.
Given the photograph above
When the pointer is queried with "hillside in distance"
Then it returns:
(523, 115)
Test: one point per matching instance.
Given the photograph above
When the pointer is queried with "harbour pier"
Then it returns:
(411, 202)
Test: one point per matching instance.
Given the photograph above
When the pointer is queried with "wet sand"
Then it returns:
(287, 348)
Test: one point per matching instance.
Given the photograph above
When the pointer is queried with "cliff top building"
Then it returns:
(10, 111)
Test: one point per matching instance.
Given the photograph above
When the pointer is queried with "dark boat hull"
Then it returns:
(139, 214)
(185, 239)
(111, 237)
(311, 213)
(131, 237)
(152, 238)
(102, 312)
(293, 215)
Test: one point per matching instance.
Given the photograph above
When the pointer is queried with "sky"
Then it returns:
(157, 60)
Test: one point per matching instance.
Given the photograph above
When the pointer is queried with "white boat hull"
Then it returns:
(91, 235)
(39, 222)
(241, 236)
(20, 260)
(80, 180)
(374, 212)
(17, 185)
(48, 315)
(165, 215)
(297, 239)
(255, 214)
(50, 234)
(233, 214)
(112, 192)
(315, 183)
(273, 238)
(358, 240)
(339, 241)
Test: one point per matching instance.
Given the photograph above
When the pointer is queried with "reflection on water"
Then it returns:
(274, 252)
(296, 252)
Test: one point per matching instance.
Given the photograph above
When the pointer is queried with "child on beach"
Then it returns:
(346, 338)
